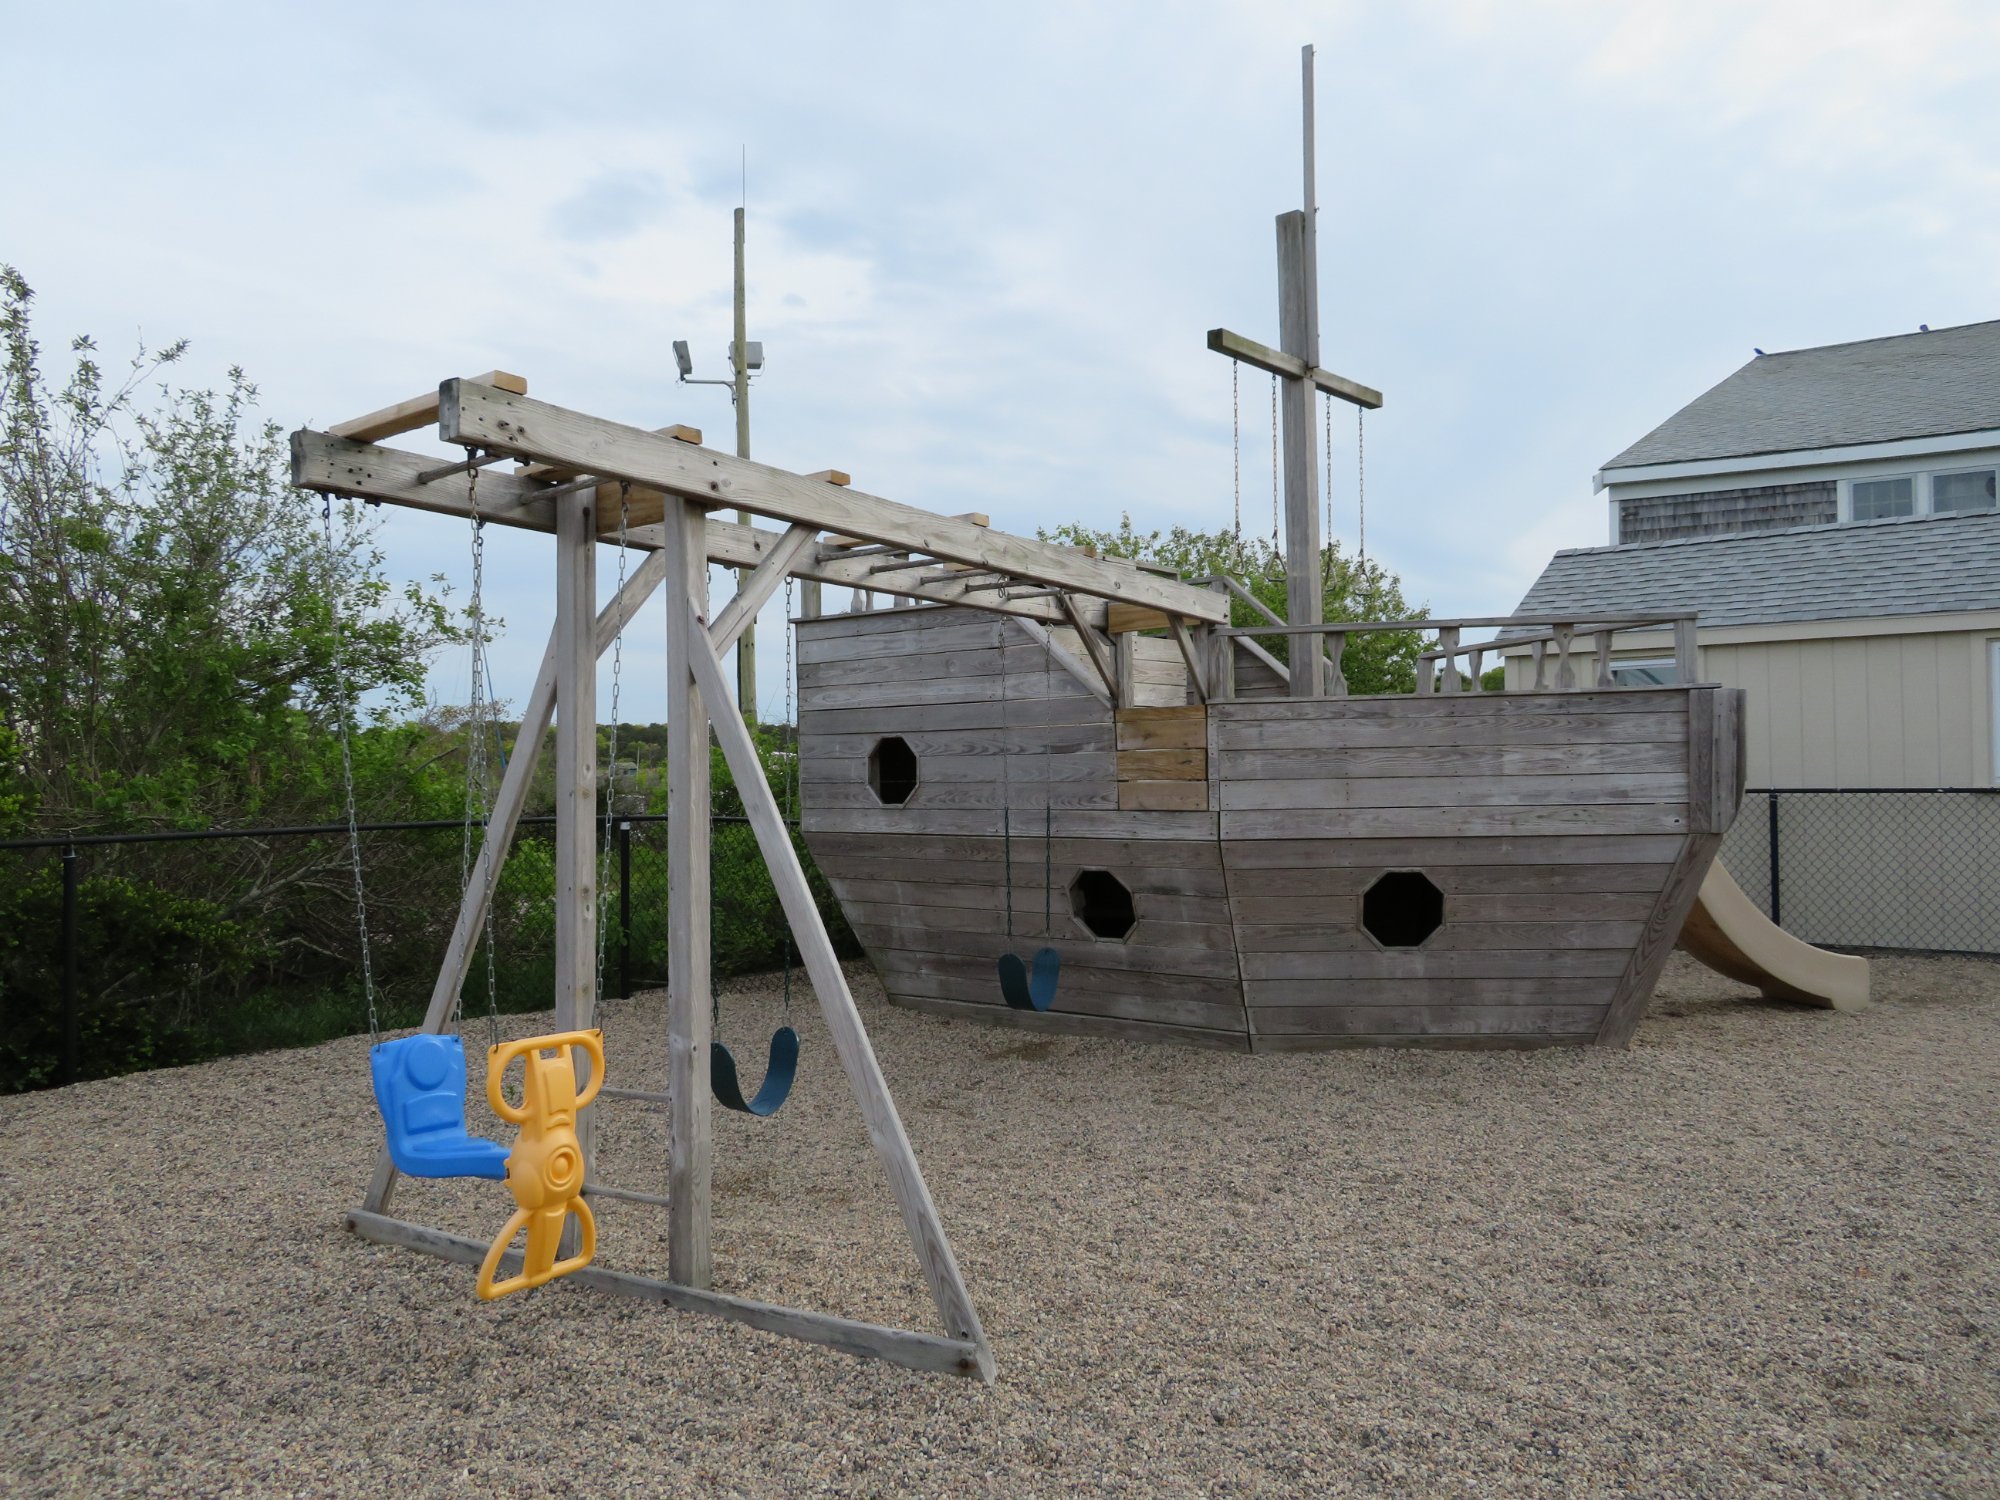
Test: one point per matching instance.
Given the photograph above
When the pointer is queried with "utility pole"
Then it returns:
(739, 361)
(745, 360)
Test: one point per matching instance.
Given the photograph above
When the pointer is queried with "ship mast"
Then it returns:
(1296, 362)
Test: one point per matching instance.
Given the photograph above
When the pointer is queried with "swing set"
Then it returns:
(590, 481)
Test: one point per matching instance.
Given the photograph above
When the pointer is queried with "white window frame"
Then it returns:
(1922, 499)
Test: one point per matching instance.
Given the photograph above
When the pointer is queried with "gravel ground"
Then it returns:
(1759, 1254)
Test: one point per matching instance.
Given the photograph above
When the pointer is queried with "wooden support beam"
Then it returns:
(914, 1351)
(480, 414)
(843, 1020)
(680, 432)
(1188, 654)
(368, 472)
(689, 983)
(576, 798)
(1119, 618)
(1093, 644)
(831, 476)
(1277, 362)
(418, 411)
(1305, 602)
(758, 585)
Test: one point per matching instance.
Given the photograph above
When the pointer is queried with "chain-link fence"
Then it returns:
(122, 952)
(1911, 868)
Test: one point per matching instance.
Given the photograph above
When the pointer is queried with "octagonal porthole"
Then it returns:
(1402, 909)
(1100, 901)
(892, 771)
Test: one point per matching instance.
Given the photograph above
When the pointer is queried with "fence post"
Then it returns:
(625, 908)
(1771, 832)
(70, 1049)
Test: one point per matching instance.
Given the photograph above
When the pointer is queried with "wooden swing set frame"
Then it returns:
(573, 468)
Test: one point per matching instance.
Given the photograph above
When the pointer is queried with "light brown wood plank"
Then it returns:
(1162, 796)
(1162, 765)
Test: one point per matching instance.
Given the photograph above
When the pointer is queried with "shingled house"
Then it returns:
(1831, 514)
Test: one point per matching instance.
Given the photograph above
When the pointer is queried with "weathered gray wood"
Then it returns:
(1400, 851)
(1495, 706)
(1336, 930)
(1057, 739)
(690, 1127)
(1198, 989)
(1140, 955)
(1441, 1019)
(1663, 929)
(757, 586)
(575, 852)
(1436, 965)
(1434, 822)
(1301, 895)
(474, 413)
(418, 411)
(1076, 765)
(1129, 1002)
(1100, 654)
(1277, 362)
(1642, 757)
(951, 630)
(1417, 731)
(850, 1037)
(1072, 1024)
(1083, 676)
(921, 718)
(1127, 670)
(986, 896)
(1701, 760)
(1324, 992)
(1413, 1043)
(1464, 792)
(915, 1351)
(931, 796)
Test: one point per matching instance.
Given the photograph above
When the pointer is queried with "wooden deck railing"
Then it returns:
(1438, 668)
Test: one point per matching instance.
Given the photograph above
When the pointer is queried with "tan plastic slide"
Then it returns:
(1727, 932)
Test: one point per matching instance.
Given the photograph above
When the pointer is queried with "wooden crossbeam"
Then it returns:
(368, 471)
(1277, 362)
(680, 432)
(418, 411)
(481, 415)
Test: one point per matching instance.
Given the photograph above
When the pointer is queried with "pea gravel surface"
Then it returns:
(1756, 1255)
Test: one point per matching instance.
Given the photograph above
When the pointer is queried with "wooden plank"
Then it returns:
(1607, 789)
(1120, 618)
(1433, 822)
(1069, 1024)
(1336, 928)
(1025, 767)
(1275, 362)
(1134, 1003)
(1635, 700)
(1208, 958)
(1059, 740)
(990, 896)
(1144, 881)
(914, 1351)
(755, 588)
(1663, 929)
(1440, 1019)
(575, 851)
(1701, 760)
(1126, 651)
(1322, 1043)
(1293, 895)
(1162, 765)
(1320, 993)
(1304, 598)
(472, 412)
(418, 411)
(690, 1125)
(1643, 757)
(1417, 732)
(1083, 676)
(1441, 967)
(1100, 654)
(930, 796)
(1403, 851)
(832, 476)
(1195, 988)
(843, 1021)
(1162, 796)
(1190, 658)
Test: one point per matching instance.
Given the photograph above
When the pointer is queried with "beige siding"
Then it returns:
(1880, 710)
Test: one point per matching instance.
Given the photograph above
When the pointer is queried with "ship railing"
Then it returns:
(1555, 642)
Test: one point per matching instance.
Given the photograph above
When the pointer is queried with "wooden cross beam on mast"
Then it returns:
(1296, 363)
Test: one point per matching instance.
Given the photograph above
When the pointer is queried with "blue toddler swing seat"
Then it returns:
(420, 1089)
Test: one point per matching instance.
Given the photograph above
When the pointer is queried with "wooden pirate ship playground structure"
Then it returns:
(1059, 791)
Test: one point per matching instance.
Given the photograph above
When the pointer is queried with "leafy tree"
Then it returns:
(1353, 589)
(168, 654)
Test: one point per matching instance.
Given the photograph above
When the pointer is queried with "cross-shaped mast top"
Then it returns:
(1296, 362)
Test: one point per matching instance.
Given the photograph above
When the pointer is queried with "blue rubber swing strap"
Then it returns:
(1026, 989)
(779, 1074)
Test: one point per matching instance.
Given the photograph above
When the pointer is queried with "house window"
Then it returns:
(1661, 673)
(1875, 499)
(1969, 489)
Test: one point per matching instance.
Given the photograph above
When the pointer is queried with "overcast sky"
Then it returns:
(985, 242)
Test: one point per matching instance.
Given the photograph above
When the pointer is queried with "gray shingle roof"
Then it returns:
(1916, 565)
(1878, 390)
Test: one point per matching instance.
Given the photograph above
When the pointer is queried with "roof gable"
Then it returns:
(1877, 390)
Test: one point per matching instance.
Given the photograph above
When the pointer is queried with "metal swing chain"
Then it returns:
(347, 774)
(477, 781)
(611, 778)
(791, 769)
(1236, 448)
(1276, 544)
(1361, 477)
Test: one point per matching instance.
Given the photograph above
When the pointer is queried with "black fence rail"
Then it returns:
(1874, 867)
(127, 951)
